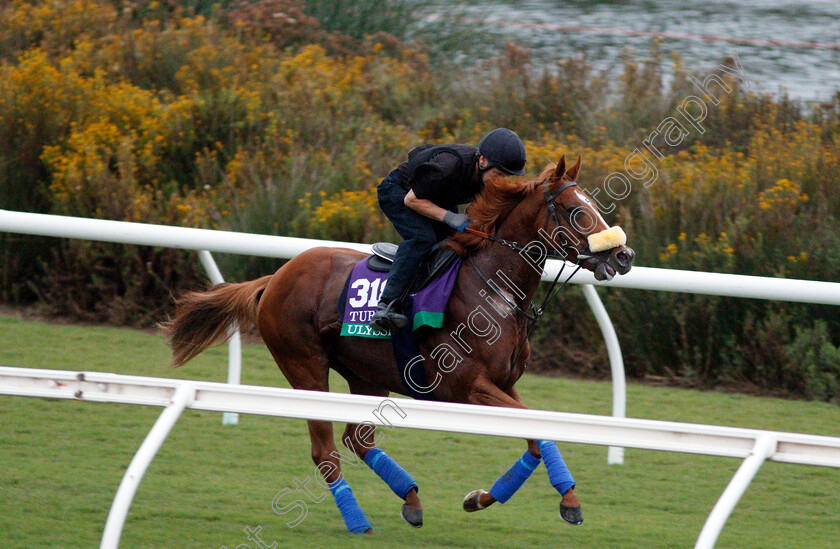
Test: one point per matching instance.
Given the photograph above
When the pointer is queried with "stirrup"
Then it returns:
(385, 319)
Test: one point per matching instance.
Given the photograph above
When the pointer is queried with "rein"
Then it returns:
(537, 312)
(550, 252)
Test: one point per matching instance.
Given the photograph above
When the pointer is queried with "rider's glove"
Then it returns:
(457, 221)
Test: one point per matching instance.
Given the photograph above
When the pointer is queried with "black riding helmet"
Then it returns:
(505, 150)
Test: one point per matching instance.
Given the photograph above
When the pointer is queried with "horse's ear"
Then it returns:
(560, 169)
(572, 174)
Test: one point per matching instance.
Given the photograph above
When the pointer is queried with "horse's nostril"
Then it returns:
(624, 258)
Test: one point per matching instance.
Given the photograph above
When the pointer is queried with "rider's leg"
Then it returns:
(409, 256)
(420, 234)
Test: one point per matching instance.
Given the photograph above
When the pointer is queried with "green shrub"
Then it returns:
(813, 363)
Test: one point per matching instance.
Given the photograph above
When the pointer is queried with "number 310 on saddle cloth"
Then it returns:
(364, 287)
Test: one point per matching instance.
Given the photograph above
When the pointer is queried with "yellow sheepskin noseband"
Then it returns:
(607, 240)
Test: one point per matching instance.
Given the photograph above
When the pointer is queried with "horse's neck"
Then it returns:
(519, 271)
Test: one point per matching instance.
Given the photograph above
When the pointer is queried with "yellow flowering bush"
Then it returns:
(352, 216)
(52, 26)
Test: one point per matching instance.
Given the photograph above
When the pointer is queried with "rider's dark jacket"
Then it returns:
(442, 174)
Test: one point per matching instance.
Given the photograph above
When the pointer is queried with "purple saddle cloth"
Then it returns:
(364, 288)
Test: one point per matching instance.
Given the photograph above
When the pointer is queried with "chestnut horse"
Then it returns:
(515, 226)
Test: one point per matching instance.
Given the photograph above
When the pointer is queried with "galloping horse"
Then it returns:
(515, 227)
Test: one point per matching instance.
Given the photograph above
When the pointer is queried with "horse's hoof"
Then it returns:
(471, 501)
(412, 516)
(572, 515)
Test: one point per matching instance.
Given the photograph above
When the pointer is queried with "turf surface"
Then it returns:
(61, 463)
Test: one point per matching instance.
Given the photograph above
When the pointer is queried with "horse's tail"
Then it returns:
(203, 319)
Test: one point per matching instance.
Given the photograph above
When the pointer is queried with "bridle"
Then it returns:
(551, 215)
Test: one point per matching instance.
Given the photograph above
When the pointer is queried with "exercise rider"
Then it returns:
(421, 199)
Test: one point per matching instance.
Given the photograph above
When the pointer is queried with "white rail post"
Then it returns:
(234, 343)
(184, 396)
(615, 454)
(765, 446)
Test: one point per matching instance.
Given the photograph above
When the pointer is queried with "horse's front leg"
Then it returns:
(488, 394)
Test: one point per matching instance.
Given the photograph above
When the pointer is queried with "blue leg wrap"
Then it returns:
(388, 470)
(558, 472)
(352, 514)
(510, 482)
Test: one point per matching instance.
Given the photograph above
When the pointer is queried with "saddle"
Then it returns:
(433, 263)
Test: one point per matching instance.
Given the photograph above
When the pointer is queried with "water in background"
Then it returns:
(806, 66)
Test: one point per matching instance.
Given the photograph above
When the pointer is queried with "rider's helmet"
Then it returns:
(505, 150)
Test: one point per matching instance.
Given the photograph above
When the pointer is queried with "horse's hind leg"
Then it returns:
(304, 364)
(360, 439)
(327, 461)
(326, 458)
(503, 489)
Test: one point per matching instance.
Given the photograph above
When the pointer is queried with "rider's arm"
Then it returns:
(424, 207)
(429, 183)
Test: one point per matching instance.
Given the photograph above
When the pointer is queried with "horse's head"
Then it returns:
(567, 223)
(573, 228)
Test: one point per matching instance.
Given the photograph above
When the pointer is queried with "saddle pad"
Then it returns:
(364, 288)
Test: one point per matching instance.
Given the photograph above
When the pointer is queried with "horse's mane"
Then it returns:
(490, 207)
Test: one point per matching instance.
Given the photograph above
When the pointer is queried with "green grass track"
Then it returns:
(61, 463)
